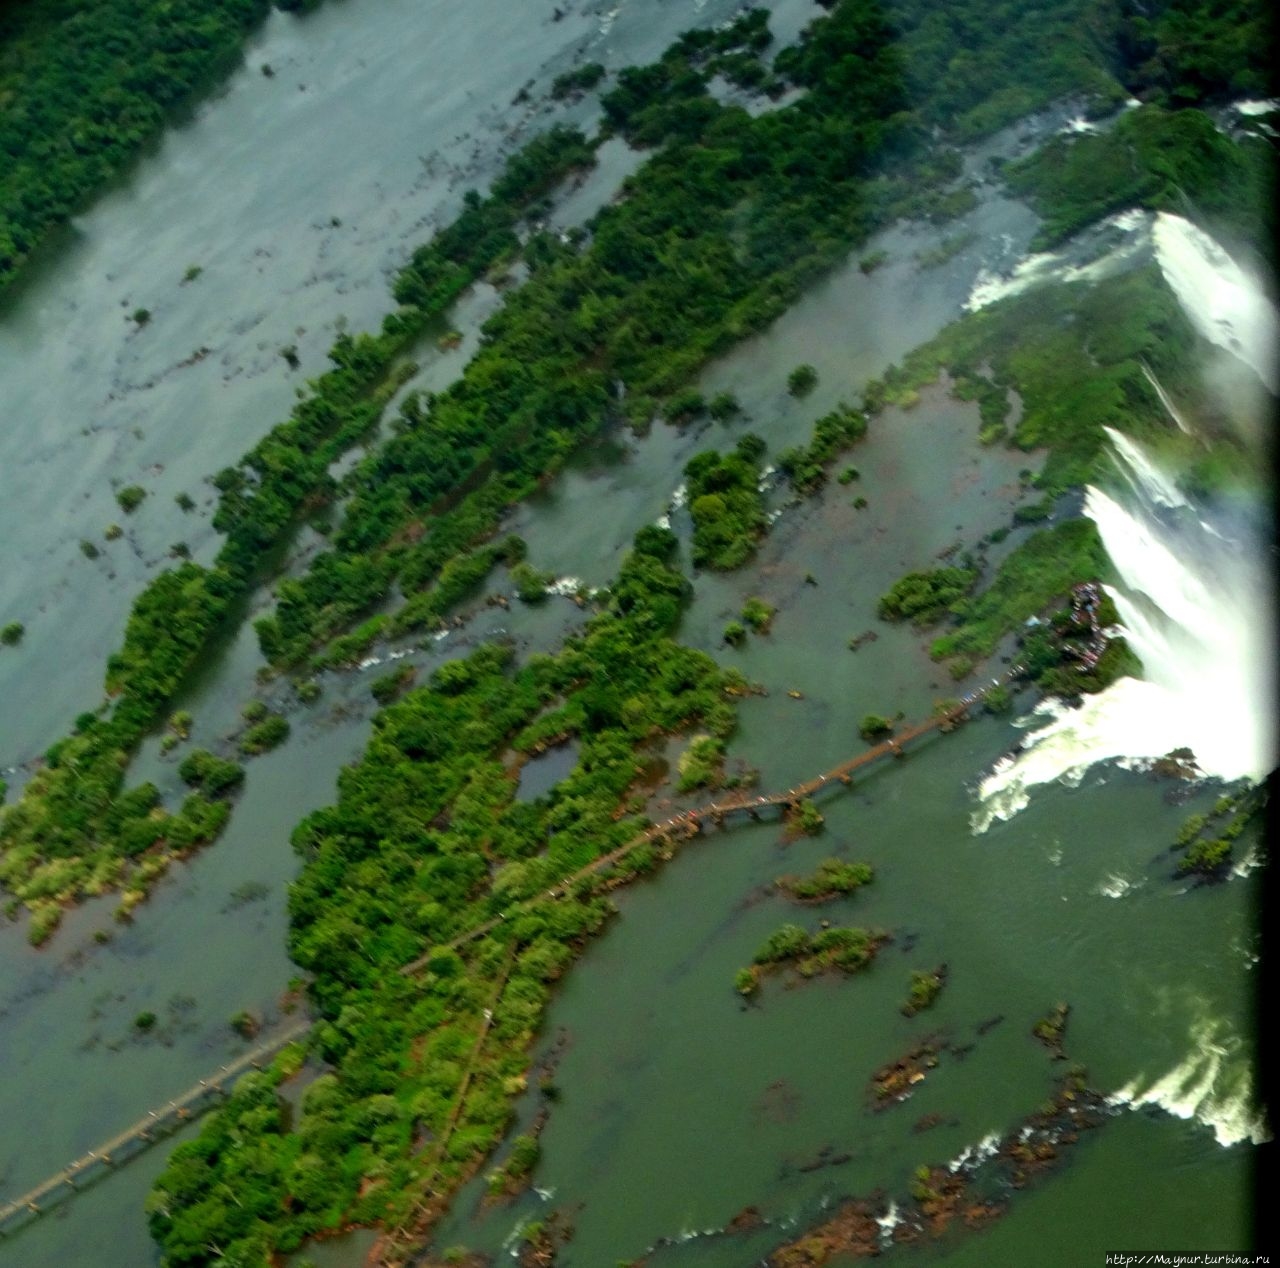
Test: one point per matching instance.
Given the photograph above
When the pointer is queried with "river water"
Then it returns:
(680, 1106)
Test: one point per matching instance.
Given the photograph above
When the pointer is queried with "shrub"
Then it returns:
(808, 818)
(723, 406)
(11, 634)
(531, 584)
(264, 735)
(783, 944)
(211, 774)
(130, 498)
(758, 614)
(802, 380)
(578, 80)
(925, 597)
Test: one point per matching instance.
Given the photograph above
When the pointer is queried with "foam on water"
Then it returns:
(1195, 607)
(1224, 301)
(1058, 266)
(972, 1156)
(1213, 1085)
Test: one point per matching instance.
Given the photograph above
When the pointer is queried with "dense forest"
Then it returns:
(720, 230)
(731, 217)
(425, 842)
(74, 832)
(85, 87)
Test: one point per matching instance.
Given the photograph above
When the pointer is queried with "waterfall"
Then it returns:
(1194, 603)
(1194, 585)
(1223, 301)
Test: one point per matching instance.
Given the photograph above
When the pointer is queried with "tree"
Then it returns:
(802, 380)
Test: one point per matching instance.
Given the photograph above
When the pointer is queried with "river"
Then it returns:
(296, 194)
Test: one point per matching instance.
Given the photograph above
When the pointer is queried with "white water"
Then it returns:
(1194, 597)
(1194, 605)
(1224, 302)
(1058, 266)
(1214, 1085)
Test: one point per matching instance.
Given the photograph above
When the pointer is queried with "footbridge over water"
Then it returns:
(174, 1114)
(158, 1124)
(691, 822)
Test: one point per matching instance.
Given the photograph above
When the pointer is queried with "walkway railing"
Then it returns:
(142, 1135)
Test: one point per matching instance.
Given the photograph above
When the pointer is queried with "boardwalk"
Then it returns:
(144, 1133)
(169, 1117)
(691, 822)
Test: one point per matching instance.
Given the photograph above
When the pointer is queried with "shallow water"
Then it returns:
(680, 1106)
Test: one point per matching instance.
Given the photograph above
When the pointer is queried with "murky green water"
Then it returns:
(680, 1105)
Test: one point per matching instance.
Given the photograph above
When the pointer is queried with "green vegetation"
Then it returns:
(730, 219)
(86, 87)
(874, 727)
(1051, 1029)
(735, 634)
(531, 583)
(758, 614)
(1075, 353)
(1160, 159)
(802, 380)
(701, 765)
(1208, 839)
(997, 700)
(806, 465)
(872, 261)
(723, 406)
(63, 838)
(131, 497)
(806, 818)
(145, 1021)
(925, 988)
(265, 735)
(831, 949)
(829, 879)
(386, 687)
(1076, 356)
(1052, 653)
(925, 598)
(425, 842)
(579, 80)
(210, 774)
(974, 67)
(716, 234)
(946, 250)
(514, 1173)
(1037, 572)
(726, 505)
(11, 634)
